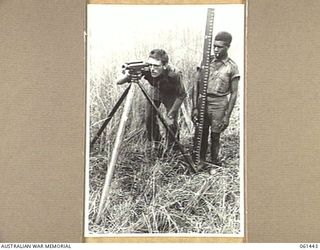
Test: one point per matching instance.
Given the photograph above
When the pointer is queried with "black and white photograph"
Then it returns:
(165, 120)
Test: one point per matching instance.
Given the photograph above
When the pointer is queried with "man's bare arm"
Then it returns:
(233, 96)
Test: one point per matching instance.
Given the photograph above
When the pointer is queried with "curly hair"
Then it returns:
(224, 36)
(159, 54)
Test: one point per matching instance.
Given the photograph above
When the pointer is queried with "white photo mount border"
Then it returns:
(179, 236)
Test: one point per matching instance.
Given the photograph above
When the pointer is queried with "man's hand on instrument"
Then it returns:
(128, 77)
(194, 115)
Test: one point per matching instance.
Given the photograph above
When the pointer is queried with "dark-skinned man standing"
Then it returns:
(221, 96)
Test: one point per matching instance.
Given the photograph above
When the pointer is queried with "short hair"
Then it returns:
(224, 37)
(159, 54)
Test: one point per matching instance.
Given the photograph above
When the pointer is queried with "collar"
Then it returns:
(223, 60)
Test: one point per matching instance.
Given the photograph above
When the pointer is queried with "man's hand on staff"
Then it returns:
(194, 115)
(169, 120)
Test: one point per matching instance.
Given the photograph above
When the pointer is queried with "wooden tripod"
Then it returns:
(129, 93)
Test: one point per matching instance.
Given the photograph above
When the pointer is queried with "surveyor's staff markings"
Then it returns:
(203, 84)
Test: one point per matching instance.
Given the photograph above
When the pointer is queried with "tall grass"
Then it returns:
(156, 195)
(153, 193)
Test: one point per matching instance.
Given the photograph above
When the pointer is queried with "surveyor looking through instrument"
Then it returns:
(167, 89)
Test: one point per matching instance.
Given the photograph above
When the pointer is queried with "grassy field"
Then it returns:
(153, 193)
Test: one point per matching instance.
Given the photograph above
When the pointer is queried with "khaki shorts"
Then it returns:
(216, 108)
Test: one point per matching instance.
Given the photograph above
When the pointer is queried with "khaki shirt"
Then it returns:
(221, 74)
(168, 86)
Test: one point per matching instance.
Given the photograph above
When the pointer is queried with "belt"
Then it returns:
(214, 95)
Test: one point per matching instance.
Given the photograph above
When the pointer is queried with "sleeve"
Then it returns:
(234, 72)
(180, 86)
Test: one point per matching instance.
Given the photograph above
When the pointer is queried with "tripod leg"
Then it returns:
(113, 111)
(115, 153)
(187, 157)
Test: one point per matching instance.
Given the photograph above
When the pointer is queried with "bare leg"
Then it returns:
(215, 147)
